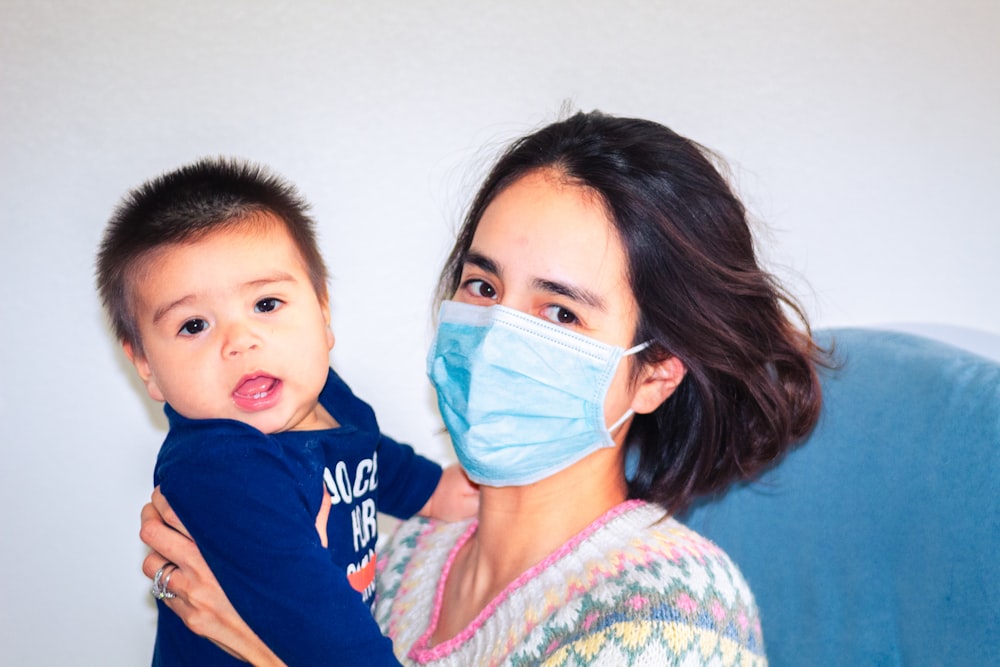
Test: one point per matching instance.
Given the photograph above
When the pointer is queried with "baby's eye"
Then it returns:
(193, 327)
(480, 289)
(267, 305)
(560, 315)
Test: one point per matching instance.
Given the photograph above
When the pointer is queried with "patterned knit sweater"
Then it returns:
(633, 588)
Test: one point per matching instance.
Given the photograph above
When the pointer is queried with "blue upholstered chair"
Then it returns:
(877, 542)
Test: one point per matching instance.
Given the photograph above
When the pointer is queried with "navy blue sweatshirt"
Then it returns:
(250, 502)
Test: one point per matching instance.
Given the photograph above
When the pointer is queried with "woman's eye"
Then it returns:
(267, 305)
(193, 327)
(560, 315)
(481, 289)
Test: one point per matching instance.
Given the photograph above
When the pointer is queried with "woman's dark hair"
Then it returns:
(184, 205)
(751, 389)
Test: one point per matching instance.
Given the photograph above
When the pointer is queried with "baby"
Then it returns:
(215, 287)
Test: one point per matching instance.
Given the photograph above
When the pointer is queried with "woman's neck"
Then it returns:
(519, 527)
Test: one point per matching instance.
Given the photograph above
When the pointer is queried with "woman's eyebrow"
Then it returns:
(572, 293)
(482, 262)
(577, 294)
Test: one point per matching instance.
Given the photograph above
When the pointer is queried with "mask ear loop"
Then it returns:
(618, 424)
(638, 348)
(628, 413)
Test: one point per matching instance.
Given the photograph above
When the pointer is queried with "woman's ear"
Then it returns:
(658, 385)
(144, 370)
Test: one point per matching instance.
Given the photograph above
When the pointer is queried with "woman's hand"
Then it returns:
(455, 497)
(199, 600)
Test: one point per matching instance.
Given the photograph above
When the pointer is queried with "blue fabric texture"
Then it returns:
(876, 541)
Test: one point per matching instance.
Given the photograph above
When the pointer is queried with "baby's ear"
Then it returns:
(659, 384)
(145, 371)
(324, 305)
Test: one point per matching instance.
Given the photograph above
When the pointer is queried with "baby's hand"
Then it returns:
(454, 498)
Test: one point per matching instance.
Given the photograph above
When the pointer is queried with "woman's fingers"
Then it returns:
(167, 512)
(150, 521)
(167, 546)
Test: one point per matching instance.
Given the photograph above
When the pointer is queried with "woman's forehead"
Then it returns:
(545, 228)
(543, 207)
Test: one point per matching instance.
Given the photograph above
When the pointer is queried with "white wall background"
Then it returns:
(865, 134)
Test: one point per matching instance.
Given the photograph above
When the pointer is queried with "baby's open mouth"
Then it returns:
(256, 387)
(257, 392)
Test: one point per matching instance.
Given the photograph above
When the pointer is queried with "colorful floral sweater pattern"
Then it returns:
(631, 589)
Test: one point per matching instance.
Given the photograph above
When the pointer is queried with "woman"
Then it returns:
(610, 351)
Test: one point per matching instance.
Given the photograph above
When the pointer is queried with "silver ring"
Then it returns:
(159, 590)
(166, 583)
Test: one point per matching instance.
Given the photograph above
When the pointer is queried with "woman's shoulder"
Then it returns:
(641, 587)
(639, 545)
(646, 533)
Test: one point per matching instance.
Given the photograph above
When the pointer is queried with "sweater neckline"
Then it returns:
(420, 650)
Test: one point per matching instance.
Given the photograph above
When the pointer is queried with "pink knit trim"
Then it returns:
(416, 555)
(419, 651)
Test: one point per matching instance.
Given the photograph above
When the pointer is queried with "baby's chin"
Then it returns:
(312, 419)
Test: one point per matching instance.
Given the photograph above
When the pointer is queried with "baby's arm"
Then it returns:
(410, 484)
(454, 498)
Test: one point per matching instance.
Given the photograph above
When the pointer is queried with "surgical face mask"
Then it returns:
(521, 397)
